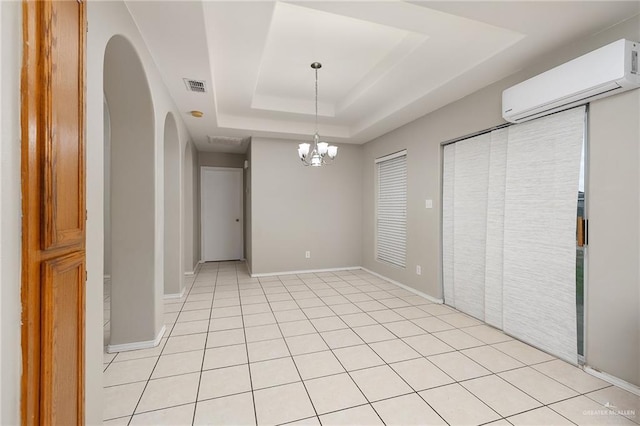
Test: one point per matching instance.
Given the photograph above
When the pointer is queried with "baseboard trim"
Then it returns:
(138, 345)
(195, 270)
(306, 271)
(613, 380)
(176, 295)
(348, 268)
(404, 286)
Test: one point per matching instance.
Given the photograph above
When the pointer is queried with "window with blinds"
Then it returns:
(391, 209)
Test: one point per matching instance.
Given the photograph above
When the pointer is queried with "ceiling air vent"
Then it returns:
(195, 85)
(225, 140)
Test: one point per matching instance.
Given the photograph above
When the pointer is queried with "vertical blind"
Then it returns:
(391, 209)
(470, 222)
(509, 208)
(543, 172)
(495, 228)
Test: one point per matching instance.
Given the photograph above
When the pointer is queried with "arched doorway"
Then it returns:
(136, 304)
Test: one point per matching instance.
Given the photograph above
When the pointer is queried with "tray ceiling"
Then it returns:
(385, 63)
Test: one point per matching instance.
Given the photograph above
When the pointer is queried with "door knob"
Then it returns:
(237, 220)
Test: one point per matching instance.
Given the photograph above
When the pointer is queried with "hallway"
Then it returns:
(341, 347)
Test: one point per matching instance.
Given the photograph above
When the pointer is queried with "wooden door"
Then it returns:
(53, 209)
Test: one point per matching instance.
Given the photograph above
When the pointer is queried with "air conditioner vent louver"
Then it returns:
(225, 140)
(197, 86)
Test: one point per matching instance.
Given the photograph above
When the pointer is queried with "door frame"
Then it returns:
(228, 169)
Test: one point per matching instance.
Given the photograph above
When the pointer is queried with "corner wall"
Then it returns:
(189, 199)
(296, 209)
(613, 254)
(195, 179)
(248, 208)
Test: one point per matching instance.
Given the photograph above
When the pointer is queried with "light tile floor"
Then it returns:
(343, 348)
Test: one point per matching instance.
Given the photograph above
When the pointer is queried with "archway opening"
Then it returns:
(136, 311)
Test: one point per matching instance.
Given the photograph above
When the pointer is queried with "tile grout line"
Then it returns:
(206, 339)
(246, 348)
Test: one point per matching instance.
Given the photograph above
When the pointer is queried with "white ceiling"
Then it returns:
(385, 63)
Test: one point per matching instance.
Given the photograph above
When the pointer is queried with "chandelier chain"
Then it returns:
(316, 100)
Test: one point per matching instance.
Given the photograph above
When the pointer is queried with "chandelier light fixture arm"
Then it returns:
(317, 153)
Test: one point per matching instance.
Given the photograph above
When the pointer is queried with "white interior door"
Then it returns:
(221, 213)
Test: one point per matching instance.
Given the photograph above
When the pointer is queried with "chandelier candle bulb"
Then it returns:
(323, 147)
(303, 150)
(332, 151)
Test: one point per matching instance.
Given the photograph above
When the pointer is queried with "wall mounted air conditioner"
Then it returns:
(606, 71)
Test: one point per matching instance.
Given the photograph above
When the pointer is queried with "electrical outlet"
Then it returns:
(418, 270)
(307, 254)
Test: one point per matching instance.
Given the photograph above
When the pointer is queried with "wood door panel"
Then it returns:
(53, 212)
(62, 339)
(63, 89)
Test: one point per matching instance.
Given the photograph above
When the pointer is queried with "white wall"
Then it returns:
(296, 208)
(221, 159)
(107, 19)
(248, 211)
(612, 284)
(191, 209)
(10, 212)
(173, 269)
(613, 208)
(195, 179)
(107, 190)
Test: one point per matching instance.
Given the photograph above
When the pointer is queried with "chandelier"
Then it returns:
(321, 152)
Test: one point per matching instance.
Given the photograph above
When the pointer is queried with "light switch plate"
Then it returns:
(428, 204)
